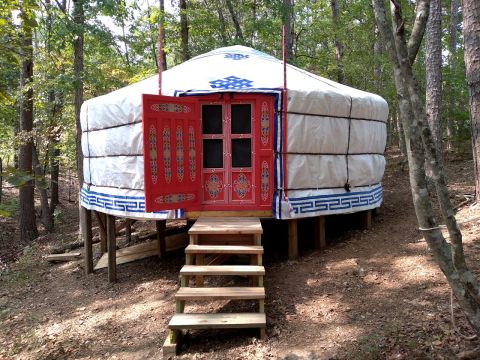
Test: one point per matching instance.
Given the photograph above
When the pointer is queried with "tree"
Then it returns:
(453, 33)
(288, 23)
(238, 30)
(28, 226)
(184, 30)
(433, 68)
(420, 146)
(79, 23)
(338, 42)
(471, 31)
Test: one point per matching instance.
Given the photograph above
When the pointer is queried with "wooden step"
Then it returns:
(217, 321)
(227, 293)
(242, 270)
(226, 225)
(223, 249)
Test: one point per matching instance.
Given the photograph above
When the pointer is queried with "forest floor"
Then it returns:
(373, 294)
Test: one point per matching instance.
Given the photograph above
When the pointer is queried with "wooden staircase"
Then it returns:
(219, 238)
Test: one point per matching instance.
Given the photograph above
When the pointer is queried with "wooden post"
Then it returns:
(292, 239)
(86, 229)
(112, 248)
(199, 260)
(320, 241)
(102, 221)
(367, 219)
(128, 231)
(161, 226)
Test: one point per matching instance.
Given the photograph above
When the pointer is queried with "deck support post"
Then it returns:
(86, 229)
(367, 220)
(161, 226)
(112, 248)
(292, 239)
(320, 240)
(102, 221)
(128, 231)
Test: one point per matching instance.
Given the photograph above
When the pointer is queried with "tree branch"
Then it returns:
(418, 30)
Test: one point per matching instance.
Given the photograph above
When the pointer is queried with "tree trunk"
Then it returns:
(79, 20)
(162, 14)
(41, 185)
(236, 24)
(453, 32)
(28, 225)
(184, 30)
(288, 22)
(471, 38)
(420, 145)
(377, 69)
(338, 42)
(433, 70)
(223, 28)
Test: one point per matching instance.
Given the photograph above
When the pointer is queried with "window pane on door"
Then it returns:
(212, 119)
(241, 118)
(241, 152)
(212, 153)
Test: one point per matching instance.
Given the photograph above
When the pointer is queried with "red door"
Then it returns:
(171, 143)
(237, 152)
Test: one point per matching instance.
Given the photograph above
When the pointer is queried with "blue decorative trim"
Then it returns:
(231, 82)
(132, 204)
(236, 56)
(335, 202)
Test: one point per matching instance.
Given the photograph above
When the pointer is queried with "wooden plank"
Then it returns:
(64, 257)
(217, 321)
(292, 239)
(161, 225)
(112, 248)
(144, 250)
(241, 213)
(86, 228)
(320, 240)
(223, 249)
(243, 270)
(219, 225)
(227, 293)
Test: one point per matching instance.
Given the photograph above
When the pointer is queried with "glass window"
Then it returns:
(212, 119)
(212, 153)
(241, 152)
(241, 118)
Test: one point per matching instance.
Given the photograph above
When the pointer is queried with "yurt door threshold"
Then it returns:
(209, 153)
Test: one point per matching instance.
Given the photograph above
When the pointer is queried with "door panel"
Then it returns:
(172, 165)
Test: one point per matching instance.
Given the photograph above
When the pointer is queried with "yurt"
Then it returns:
(222, 137)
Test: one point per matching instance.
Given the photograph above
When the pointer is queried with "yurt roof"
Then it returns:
(238, 69)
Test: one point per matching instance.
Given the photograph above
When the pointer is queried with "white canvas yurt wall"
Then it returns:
(335, 136)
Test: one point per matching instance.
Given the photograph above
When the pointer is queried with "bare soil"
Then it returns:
(373, 294)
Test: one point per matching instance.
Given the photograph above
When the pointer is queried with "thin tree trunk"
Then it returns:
(79, 20)
(377, 69)
(184, 30)
(471, 38)
(153, 39)
(288, 23)
(162, 14)
(453, 32)
(238, 30)
(40, 183)
(223, 28)
(433, 70)
(420, 145)
(1, 179)
(338, 42)
(28, 225)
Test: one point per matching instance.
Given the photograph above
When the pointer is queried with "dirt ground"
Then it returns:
(373, 294)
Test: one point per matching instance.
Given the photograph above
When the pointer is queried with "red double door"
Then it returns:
(208, 152)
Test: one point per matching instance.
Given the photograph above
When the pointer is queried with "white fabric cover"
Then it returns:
(325, 121)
